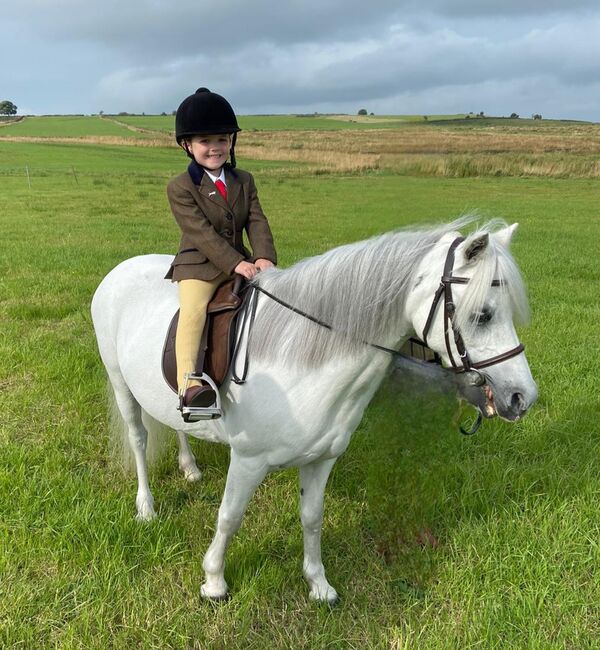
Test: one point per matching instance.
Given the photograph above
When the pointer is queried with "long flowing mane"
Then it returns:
(360, 290)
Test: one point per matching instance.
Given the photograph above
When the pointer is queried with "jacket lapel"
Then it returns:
(209, 191)
(234, 187)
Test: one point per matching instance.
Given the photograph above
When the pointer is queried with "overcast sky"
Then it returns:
(267, 56)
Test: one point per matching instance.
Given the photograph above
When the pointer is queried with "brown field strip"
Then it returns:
(561, 151)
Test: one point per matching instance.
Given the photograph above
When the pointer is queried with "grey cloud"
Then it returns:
(144, 30)
(185, 27)
(399, 61)
(296, 56)
(478, 8)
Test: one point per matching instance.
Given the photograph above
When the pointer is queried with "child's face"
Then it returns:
(211, 151)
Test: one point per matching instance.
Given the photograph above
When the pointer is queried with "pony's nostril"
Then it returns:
(517, 403)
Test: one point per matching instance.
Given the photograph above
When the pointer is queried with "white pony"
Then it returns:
(308, 386)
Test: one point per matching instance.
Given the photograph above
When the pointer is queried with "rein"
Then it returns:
(250, 313)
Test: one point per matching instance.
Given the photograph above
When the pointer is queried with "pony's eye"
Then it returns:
(482, 317)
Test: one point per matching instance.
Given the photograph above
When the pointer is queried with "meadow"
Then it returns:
(433, 540)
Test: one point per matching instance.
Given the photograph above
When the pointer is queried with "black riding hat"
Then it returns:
(204, 112)
(207, 113)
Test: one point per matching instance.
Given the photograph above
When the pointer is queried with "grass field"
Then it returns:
(342, 144)
(432, 539)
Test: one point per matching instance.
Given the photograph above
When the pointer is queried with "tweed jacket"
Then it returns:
(212, 228)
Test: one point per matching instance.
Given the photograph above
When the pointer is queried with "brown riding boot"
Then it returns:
(199, 397)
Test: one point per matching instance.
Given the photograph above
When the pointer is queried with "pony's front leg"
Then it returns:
(313, 479)
(243, 477)
(187, 462)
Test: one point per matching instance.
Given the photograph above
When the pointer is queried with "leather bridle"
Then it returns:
(445, 290)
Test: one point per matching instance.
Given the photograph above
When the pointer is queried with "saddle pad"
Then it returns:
(218, 339)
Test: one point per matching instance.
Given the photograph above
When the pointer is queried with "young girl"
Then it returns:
(213, 203)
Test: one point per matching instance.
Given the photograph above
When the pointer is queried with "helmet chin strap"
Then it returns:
(186, 147)
(232, 150)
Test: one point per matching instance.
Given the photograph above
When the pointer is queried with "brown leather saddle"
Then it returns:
(218, 338)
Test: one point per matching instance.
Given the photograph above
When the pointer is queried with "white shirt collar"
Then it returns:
(214, 178)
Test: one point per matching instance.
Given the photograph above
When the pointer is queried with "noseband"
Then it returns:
(445, 290)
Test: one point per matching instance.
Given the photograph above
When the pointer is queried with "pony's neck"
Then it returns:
(359, 290)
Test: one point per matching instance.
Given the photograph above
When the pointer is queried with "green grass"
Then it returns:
(166, 123)
(70, 126)
(514, 510)
(75, 126)
(78, 126)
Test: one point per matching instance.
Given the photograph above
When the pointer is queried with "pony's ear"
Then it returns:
(505, 235)
(475, 246)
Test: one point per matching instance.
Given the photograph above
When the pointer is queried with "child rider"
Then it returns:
(213, 203)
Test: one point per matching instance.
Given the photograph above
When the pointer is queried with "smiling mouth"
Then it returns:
(490, 406)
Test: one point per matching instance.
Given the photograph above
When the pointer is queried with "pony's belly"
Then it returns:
(279, 453)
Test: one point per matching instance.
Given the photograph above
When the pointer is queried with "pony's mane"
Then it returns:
(360, 290)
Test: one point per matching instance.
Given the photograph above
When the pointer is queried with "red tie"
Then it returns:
(222, 188)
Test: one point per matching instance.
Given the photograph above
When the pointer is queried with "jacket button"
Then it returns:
(228, 217)
(226, 233)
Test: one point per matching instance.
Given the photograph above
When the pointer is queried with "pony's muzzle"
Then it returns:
(518, 404)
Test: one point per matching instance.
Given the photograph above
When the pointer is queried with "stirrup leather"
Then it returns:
(196, 413)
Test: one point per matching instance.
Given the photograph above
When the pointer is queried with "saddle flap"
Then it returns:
(226, 296)
(214, 354)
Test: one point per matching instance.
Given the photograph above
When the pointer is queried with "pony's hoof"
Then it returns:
(145, 513)
(329, 596)
(214, 595)
(191, 474)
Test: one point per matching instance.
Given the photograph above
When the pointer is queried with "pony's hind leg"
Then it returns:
(313, 479)
(187, 461)
(243, 477)
(137, 434)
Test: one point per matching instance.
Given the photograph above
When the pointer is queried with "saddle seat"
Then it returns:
(216, 345)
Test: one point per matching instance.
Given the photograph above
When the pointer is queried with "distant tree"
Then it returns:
(173, 112)
(425, 117)
(7, 108)
(371, 113)
(481, 114)
(363, 111)
(163, 114)
(514, 116)
(536, 116)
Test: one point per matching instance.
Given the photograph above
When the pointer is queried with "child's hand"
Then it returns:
(262, 264)
(247, 269)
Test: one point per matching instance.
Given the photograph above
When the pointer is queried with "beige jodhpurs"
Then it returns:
(194, 296)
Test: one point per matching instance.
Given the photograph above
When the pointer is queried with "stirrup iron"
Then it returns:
(196, 413)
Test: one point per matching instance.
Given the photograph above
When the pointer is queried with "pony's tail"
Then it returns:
(119, 450)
